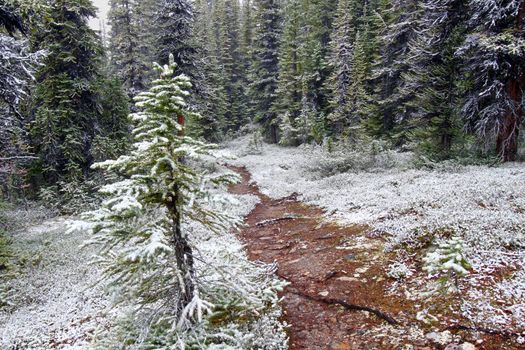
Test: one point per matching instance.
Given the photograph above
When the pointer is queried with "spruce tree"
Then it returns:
(435, 77)
(66, 99)
(289, 91)
(227, 22)
(496, 65)
(17, 68)
(211, 100)
(340, 60)
(265, 67)
(174, 34)
(143, 226)
(389, 112)
(127, 62)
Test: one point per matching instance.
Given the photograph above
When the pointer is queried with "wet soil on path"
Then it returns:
(337, 297)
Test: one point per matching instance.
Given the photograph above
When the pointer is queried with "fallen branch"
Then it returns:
(485, 330)
(275, 221)
(389, 319)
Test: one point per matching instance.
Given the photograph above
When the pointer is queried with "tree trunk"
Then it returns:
(507, 141)
(183, 251)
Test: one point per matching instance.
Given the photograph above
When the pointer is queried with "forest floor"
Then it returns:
(351, 244)
(54, 300)
(337, 297)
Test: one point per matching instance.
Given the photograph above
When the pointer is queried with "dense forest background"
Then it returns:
(443, 78)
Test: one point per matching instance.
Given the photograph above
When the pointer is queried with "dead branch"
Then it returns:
(389, 319)
(275, 221)
(484, 330)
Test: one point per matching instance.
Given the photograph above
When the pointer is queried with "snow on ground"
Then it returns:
(55, 303)
(483, 205)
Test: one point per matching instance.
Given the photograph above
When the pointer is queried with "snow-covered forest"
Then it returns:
(262, 174)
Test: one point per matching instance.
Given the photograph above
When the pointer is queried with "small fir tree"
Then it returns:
(448, 258)
(142, 225)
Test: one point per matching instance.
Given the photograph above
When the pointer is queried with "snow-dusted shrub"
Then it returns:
(255, 146)
(288, 136)
(343, 158)
(399, 270)
(448, 258)
(71, 197)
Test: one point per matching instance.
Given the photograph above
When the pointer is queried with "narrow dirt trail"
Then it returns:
(338, 293)
(324, 264)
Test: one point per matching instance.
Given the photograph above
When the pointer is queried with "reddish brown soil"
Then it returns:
(305, 247)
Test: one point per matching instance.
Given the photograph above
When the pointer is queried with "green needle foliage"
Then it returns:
(145, 225)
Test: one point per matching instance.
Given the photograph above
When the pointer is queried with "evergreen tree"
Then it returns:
(493, 54)
(340, 60)
(265, 66)
(227, 27)
(17, 67)
(174, 31)
(289, 91)
(436, 76)
(246, 51)
(126, 59)
(389, 112)
(211, 100)
(143, 225)
(66, 100)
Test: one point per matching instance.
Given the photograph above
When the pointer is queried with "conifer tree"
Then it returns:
(226, 47)
(493, 54)
(143, 225)
(289, 91)
(435, 76)
(265, 67)
(17, 69)
(389, 112)
(211, 99)
(66, 98)
(174, 34)
(340, 60)
(126, 59)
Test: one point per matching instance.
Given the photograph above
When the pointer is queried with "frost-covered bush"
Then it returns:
(255, 145)
(399, 270)
(71, 197)
(343, 158)
(448, 259)
(289, 133)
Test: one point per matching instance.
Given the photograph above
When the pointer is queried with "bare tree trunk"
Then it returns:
(183, 251)
(507, 141)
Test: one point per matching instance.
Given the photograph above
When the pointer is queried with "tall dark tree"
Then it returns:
(435, 76)
(17, 67)
(494, 55)
(340, 60)
(66, 100)
(126, 59)
(174, 33)
(389, 112)
(265, 67)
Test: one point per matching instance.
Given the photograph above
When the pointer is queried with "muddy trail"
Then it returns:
(337, 297)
